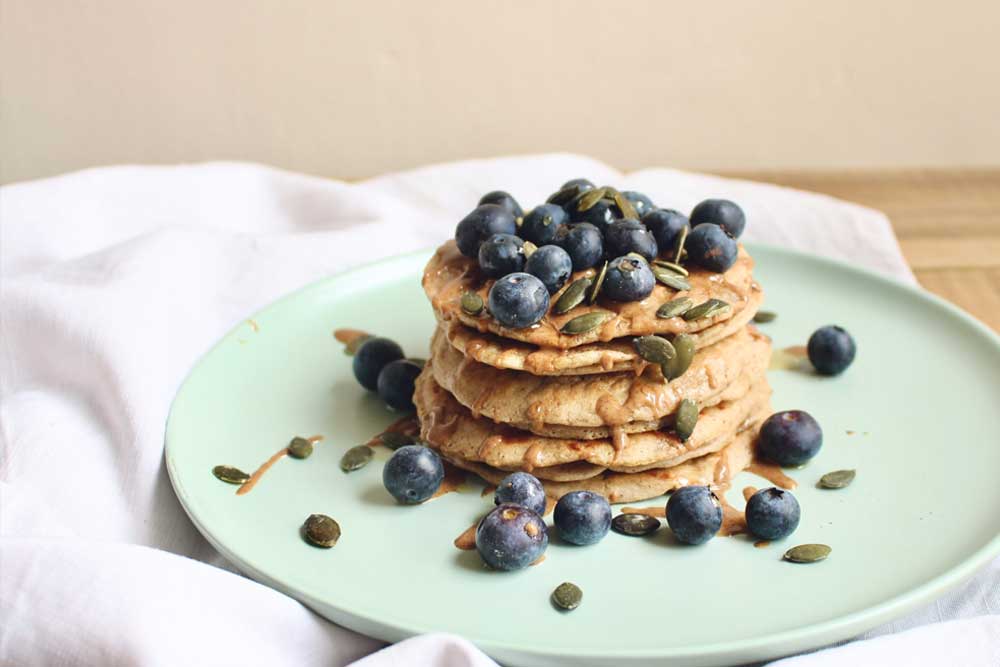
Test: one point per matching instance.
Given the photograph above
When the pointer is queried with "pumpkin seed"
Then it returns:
(529, 248)
(674, 307)
(598, 283)
(356, 458)
(573, 296)
(230, 475)
(394, 440)
(764, 316)
(564, 196)
(710, 308)
(681, 240)
(567, 596)
(636, 525)
(685, 348)
(676, 268)
(626, 206)
(321, 531)
(837, 479)
(590, 199)
(472, 303)
(300, 448)
(687, 418)
(351, 348)
(587, 322)
(807, 553)
(654, 349)
(670, 278)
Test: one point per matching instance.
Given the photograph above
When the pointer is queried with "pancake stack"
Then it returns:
(590, 410)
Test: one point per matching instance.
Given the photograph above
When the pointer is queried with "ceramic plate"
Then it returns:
(916, 415)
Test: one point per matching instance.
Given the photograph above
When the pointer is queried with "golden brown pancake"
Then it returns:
(449, 274)
(593, 406)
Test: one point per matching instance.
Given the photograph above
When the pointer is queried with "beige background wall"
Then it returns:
(350, 89)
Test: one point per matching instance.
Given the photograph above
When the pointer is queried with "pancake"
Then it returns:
(451, 429)
(449, 274)
(615, 355)
(596, 406)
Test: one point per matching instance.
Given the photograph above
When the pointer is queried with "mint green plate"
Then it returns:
(916, 415)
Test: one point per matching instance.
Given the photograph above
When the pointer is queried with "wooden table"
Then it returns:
(947, 221)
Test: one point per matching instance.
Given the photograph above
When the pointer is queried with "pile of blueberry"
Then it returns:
(380, 366)
(581, 227)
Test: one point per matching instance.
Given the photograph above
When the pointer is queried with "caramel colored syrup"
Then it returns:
(760, 544)
(467, 540)
(536, 415)
(538, 561)
(550, 504)
(453, 479)
(607, 362)
(773, 474)
(733, 520)
(532, 456)
(658, 511)
(247, 486)
(748, 493)
(488, 491)
(408, 425)
(347, 336)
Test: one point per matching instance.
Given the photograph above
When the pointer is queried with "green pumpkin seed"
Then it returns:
(626, 206)
(685, 347)
(598, 283)
(564, 196)
(635, 525)
(687, 418)
(590, 199)
(807, 553)
(394, 440)
(670, 278)
(356, 458)
(472, 303)
(676, 268)
(230, 475)
(587, 322)
(764, 316)
(837, 479)
(300, 448)
(674, 307)
(710, 308)
(567, 596)
(355, 344)
(573, 296)
(321, 531)
(529, 248)
(681, 240)
(654, 349)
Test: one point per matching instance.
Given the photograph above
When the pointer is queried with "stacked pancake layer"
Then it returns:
(586, 411)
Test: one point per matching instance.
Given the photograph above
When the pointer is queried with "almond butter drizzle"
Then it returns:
(488, 445)
(773, 474)
(347, 336)
(536, 415)
(532, 455)
(761, 543)
(607, 361)
(733, 521)
(488, 491)
(453, 479)
(537, 561)
(467, 540)
(247, 486)
(658, 511)
(748, 493)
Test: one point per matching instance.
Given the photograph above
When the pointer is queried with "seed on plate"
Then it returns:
(837, 479)
(764, 316)
(807, 553)
(677, 268)
(636, 525)
(590, 199)
(674, 307)
(300, 448)
(351, 347)
(670, 278)
(472, 303)
(564, 196)
(230, 475)
(654, 349)
(625, 206)
(681, 240)
(321, 531)
(573, 296)
(687, 418)
(598, 283)
(356, 458)
(584, 323)
(567, 596)
(709, 308)
(529, 248)
(685, 348)
(394, 440)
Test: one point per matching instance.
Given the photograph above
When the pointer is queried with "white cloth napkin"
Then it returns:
(114, 281)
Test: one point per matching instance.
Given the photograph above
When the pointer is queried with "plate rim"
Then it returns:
(768, 645)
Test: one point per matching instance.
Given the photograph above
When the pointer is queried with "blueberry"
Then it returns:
(790, 438)
(542, 223)
(640, 202)
(582, 517)
(580, 183)
(501, 254)
(694, 514)
(372, 357)
(600, 215)
(710, 247)
(511, 537)
(413, 474)
(518, 300)
(625, 236)
(584, 244)
(504, 201)
(552, 265)
(721, 212)
(772, 514)
(628, 279)
(831, 350)
(482, 223)
(665, 224)
(395, 383)
(522, 489)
